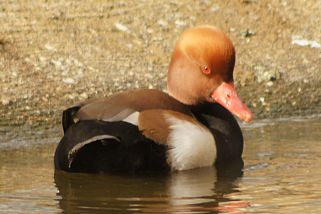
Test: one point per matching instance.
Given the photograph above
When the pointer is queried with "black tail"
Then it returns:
(68, 117)
(99, 146)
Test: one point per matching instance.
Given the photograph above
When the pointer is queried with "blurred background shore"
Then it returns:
(56, 53)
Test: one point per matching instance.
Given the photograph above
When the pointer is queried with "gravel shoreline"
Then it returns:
(53, 55)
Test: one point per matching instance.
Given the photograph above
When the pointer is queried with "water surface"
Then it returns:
(281, 174)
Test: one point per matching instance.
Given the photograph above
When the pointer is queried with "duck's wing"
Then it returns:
(95, 128)
(190, 144)
(120, 106)
(154, 139)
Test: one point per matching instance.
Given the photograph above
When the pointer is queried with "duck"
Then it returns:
(138, 130)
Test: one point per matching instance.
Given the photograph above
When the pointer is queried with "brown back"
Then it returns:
(119, 106)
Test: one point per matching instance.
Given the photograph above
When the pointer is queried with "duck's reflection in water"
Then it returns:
(194, 191)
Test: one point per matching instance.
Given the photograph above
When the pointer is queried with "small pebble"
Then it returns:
(84, 96)
(49, 47)
(262, 100)
(121, 27)
(269, 84)
(5, 101)
(162, 23)
(215, 8)
(69, 80)
(180, 23)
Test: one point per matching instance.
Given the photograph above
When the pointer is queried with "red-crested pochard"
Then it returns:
(148, 129)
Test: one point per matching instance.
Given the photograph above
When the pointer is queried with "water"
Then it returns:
(281, 174)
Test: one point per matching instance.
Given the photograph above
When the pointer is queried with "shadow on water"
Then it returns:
(203, 190)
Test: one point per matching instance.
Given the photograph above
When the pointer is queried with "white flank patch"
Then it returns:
(132, 118)
(192, 146)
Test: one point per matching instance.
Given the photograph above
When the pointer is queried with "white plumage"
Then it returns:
(191, 145)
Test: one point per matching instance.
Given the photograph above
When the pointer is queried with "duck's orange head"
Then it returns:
(201, 69)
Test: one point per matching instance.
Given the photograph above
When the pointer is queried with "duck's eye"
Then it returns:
(206, 70)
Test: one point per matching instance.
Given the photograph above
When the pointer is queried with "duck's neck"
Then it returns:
(226, 131)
